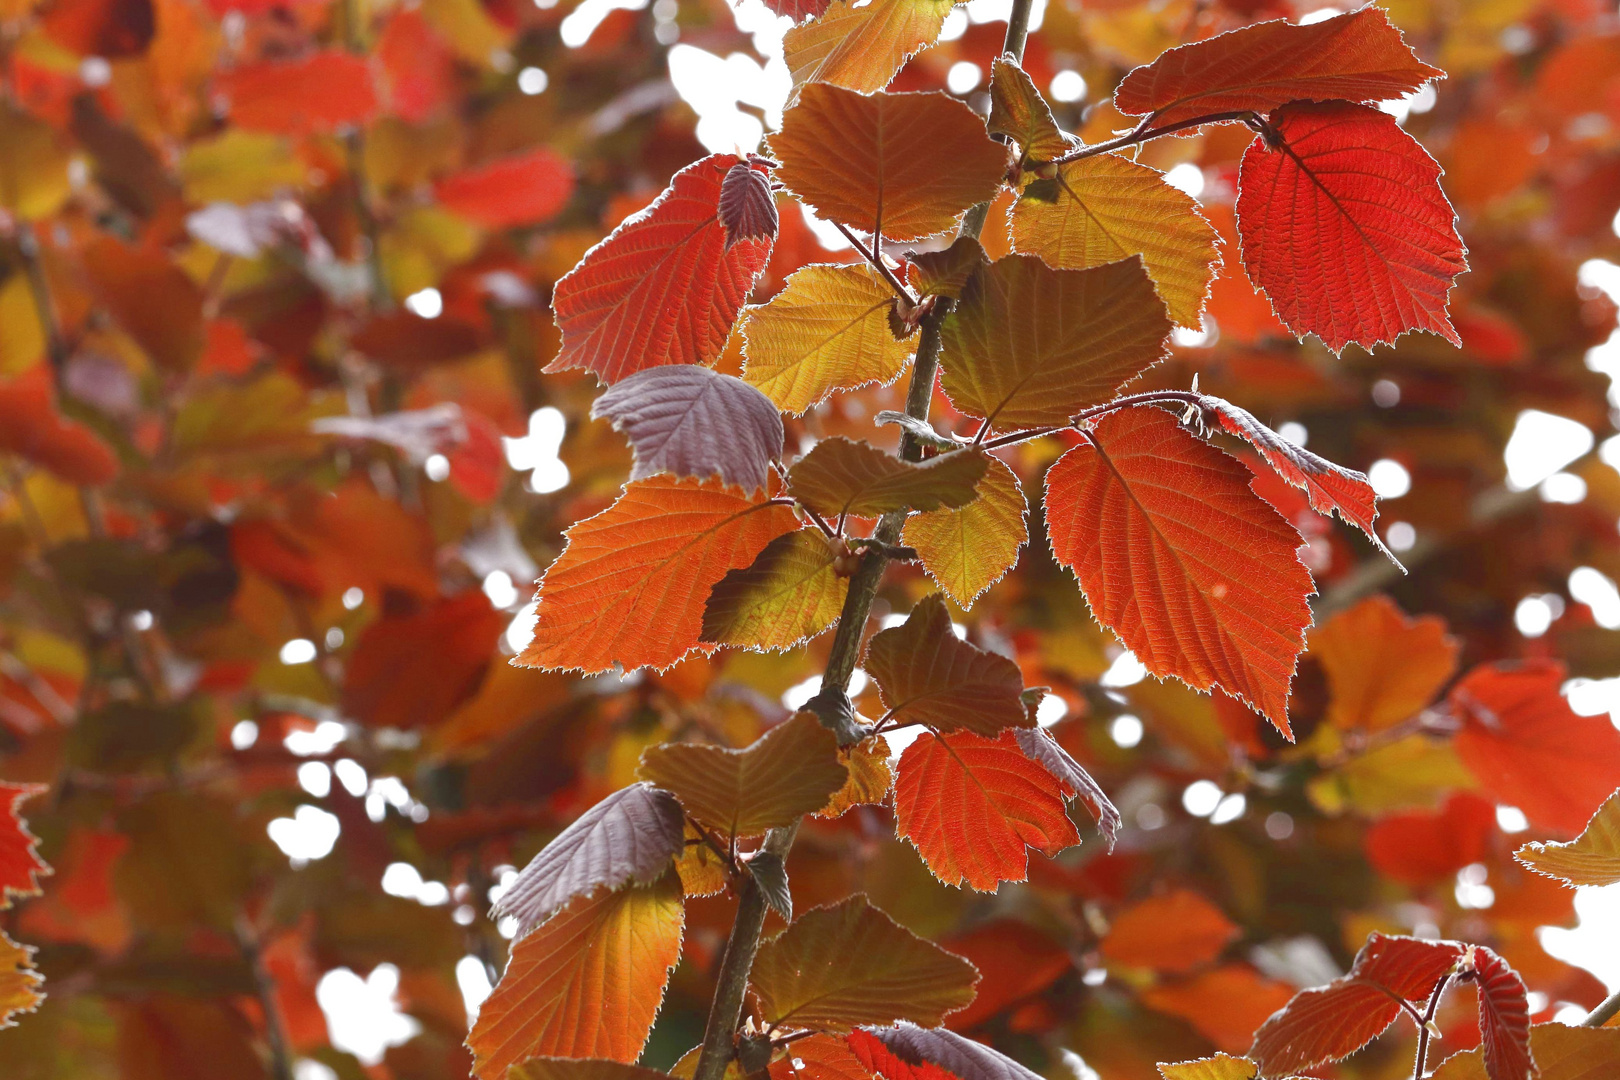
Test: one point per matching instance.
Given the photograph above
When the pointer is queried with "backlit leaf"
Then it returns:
(909, 1052)
(1561, 1053)
(927, 675)
(905, 165)
(586, 983)
(1105, 208)
(869, 776)
(819, 1057)
(788, 594)
(1504, 1017)
(1018, 111)
(1219, 1067)
(19, 982)
(693, 421)
(828, 329)
(630, 836)
(970, 548)
(1176, 931)
(558, 1068)
(34, 163)
(947, 272)
(20, 864)
(315, 93)
(1027, 345)
(849, 964)
(786, 773)
(1224, 1004)
(840, 476)
(1422, 847)
(1529, 748)
(1039, 746)
(1358, 56)
(861, 47)
(1382, 665)
(970, 806)
(631, 585)
(1195, 572)
(1592, 858)
(522, 189)
(665, 287)
(1346, 179)
(32, 427)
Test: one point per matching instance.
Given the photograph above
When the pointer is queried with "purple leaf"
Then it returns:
(1040, 746)
(747, 207)
(960, 1056)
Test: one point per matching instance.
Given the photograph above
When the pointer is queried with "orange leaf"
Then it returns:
(387, 686)
(1018, 111)
(970, 805)
(1382, 665)
(1174, 932)
(19, 982)
(586, 983)
(909, 1052)
(1195, 572)
(522, 189)
(819, 1057)
(1225, 1004)
(152, 298)
(861, 46)
(1015, 960)
(318, 93)
(560, 1068)
(1423, 848)
(31, 427)
(20, 864)
(631, 585)
(666, 286)
(927, 675)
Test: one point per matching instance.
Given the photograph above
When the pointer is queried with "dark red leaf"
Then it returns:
(908, 1052)
(1504, 1017)
(747, 207)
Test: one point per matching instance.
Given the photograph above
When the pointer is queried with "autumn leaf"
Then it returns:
(828, 329)
(840, 476)
(587, 983)
(1144, 502)
(34, 161)
(946, 272)
(20, 864)
(1018, 111)
(1105, 208)
(632, 583)
(1040, 747)
(521, 189)
(968, 549)
(970, 805)
(561, 1068)
(861, 47)
(819, 1057)
(1529, 749)
(666, 286)
(869, 776)
(1218, 1067)
(849, 964)
(316, 93)
(1345, 178)
(1382, 665)
(1027, 345)
(790, 593)
(909, 1052)
(692, 421)
(19, 982)
(1504, 1017)
(1420, 847)
(628, 837)
(927, 675)
(786, 773)
(1176, 931)
(32, 428)
(1224, 1004)
(1357, 56)
(1592, 858)
(904, 165)
(1561, 1053)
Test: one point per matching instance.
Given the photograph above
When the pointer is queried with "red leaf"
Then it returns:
(419, 69)
(319, 93)
(909, 1052)
(1423, 848)
(665, 287)
(20, 864)
(31, 427)
(970, 805)
(1529, 748)
(1504, 1017)
(1015, 961)
(1345, 227)
(1039, 745)
(388, 685)
(1195, 572)
(1177, 931)
(522, 189)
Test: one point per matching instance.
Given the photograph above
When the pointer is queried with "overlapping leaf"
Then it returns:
(927, 675)
(586, 984)
(869, 776)
(788, 772)
(840, 476)
(849, 964)
(631, 585)
(630, 836)
(1358, 56)
(819, 1057)
(1592, 858)
(1040, 747)
(1382, 665)
(1345, 179)
(666, 286)
(692, 421)
(828, 329)
(946, 272)
(1028, 345)
(1195, 573)
(1018, 111)
(862, 47)
(1176, 931)
(905, 165)
(909, 1052)
(1561, 1053)
(790, 593)
(20, 864)
(1504, 1017)
(970, 805)
(970, 548)
(1105, 208)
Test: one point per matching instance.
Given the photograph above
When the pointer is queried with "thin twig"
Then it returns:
(1604, 1012)
(878, 264)
(275, 1030)
(1425, 1028)
(1146, 397)
(1142, 133)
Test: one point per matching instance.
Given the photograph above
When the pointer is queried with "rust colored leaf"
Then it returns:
(152, 298)
(869, 776)
(19, 982)
(664, 288)
(927, 675)
(315, 94)
(1592, 858)
(32, 428)
(1346, 179)
(1529, 749)
(559, 1068)
(1358, 56)
(1177, 931)
(1195, 572)
(787, 595)
(1382, 665)
(1015, 961)
(1039, 746)
(909, 1052)
(1504, 1017)
(586, 983)
(20, 864)
(819, 1057)
(521, 189)
(1421, 847)
(904, 165)
(861, 47)
(970, 805)
(970, 548)
(841, 476)
(631, 585)
(630, 836)
(1018, 111)
(849, 964)
(1225, 1004)
(786, 773)
(387, 687)
(945, 273)
(1027, 345)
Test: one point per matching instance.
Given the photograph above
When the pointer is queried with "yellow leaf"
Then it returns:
(1018, 110)
(1592, 858)
(1219, 1067)
(19, 982)
(239, 167)
(33, 166)
(869, 776)
(468, 29)
(861, 48)
(22, 339)
(969, 549)
(1414, 771)
(789, 593)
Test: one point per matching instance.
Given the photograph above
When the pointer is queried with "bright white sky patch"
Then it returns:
(361, 1014)
(1542, 444)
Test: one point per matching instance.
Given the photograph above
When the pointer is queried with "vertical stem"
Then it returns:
(275, 1030)
(1425, 1027)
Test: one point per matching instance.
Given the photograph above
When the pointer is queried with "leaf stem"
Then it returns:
(1146, 397)
(1604, 1012)
(1142, 133)
(1424, 1028)
(878, 264)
